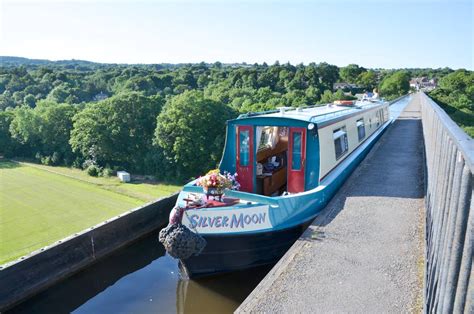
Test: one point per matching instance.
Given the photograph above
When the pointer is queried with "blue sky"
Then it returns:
(388, 34)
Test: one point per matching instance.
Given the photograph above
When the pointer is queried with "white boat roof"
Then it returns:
(313, 114)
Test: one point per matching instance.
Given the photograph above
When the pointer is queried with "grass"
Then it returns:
(142, 190)
(39, 207)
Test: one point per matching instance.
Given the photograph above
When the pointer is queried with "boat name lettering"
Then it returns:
(236, 221)
(228, 220)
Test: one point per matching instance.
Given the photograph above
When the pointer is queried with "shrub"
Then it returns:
(77, 163)
(107, 172)
(46, 160)
(93, 170)
(55, 158)
(89, 162)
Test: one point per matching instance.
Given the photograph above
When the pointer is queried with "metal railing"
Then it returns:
(449, 285)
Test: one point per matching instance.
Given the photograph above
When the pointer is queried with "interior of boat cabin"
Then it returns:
(278, 147)
(271, 160)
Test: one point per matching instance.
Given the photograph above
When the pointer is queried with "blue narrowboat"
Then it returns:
(289, 163)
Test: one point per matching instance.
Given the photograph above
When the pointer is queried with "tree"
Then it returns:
(190, 130)
(367, 79)
(6, 101)
(119, 129)
(313, 94)
(29, 100)
(455, 95)
(7, 144)
(55, 128)
(395, 85)
(59, 93)
(25, 128)
(44, 130)
(350, 73)
(329, 74)
(338, 95)
(326, 97)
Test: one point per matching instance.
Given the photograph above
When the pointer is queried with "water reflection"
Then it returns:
(397, 108)
(142, 279)
(221, 294)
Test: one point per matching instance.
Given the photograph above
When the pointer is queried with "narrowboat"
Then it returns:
(289, 163)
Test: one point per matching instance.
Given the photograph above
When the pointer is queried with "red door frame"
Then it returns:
(296, 180)
(245, 174)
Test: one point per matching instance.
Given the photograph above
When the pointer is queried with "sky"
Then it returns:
(373, 34)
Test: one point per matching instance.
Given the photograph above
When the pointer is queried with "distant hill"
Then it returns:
(10, 61)
(18, 61)
(15, 61)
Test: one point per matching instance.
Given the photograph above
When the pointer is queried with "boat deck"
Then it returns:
(362, 254)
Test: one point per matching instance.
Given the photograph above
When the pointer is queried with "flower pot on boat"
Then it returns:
(214, 192)
(214, 183)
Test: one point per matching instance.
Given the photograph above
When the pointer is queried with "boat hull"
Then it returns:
(242, 251)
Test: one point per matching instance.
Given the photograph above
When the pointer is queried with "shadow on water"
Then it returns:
(141, 278)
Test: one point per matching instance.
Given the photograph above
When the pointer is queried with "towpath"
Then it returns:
(364, 253)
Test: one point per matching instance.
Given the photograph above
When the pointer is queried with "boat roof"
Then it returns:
(316, 114)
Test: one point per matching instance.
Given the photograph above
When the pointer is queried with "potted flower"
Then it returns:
(214, 183)
(234, 184)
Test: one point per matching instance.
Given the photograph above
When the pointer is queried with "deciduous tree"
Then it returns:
(190, 130)
(120, 129)
(395, 85)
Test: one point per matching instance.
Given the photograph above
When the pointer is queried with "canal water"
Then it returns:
(397, 107)
(142, 278)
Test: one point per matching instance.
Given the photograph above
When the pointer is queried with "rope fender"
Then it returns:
(178, 240)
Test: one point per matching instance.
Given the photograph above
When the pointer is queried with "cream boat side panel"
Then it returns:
(372, 121)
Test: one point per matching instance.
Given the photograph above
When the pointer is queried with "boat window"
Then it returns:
(296, 152)
(267, 137)
(340, 142)
(244, 147)
(361, 129)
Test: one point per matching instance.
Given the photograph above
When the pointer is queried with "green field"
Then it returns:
(38, 207)
(139, 190)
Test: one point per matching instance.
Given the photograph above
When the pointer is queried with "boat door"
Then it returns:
(245, 152)
(296, 159)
